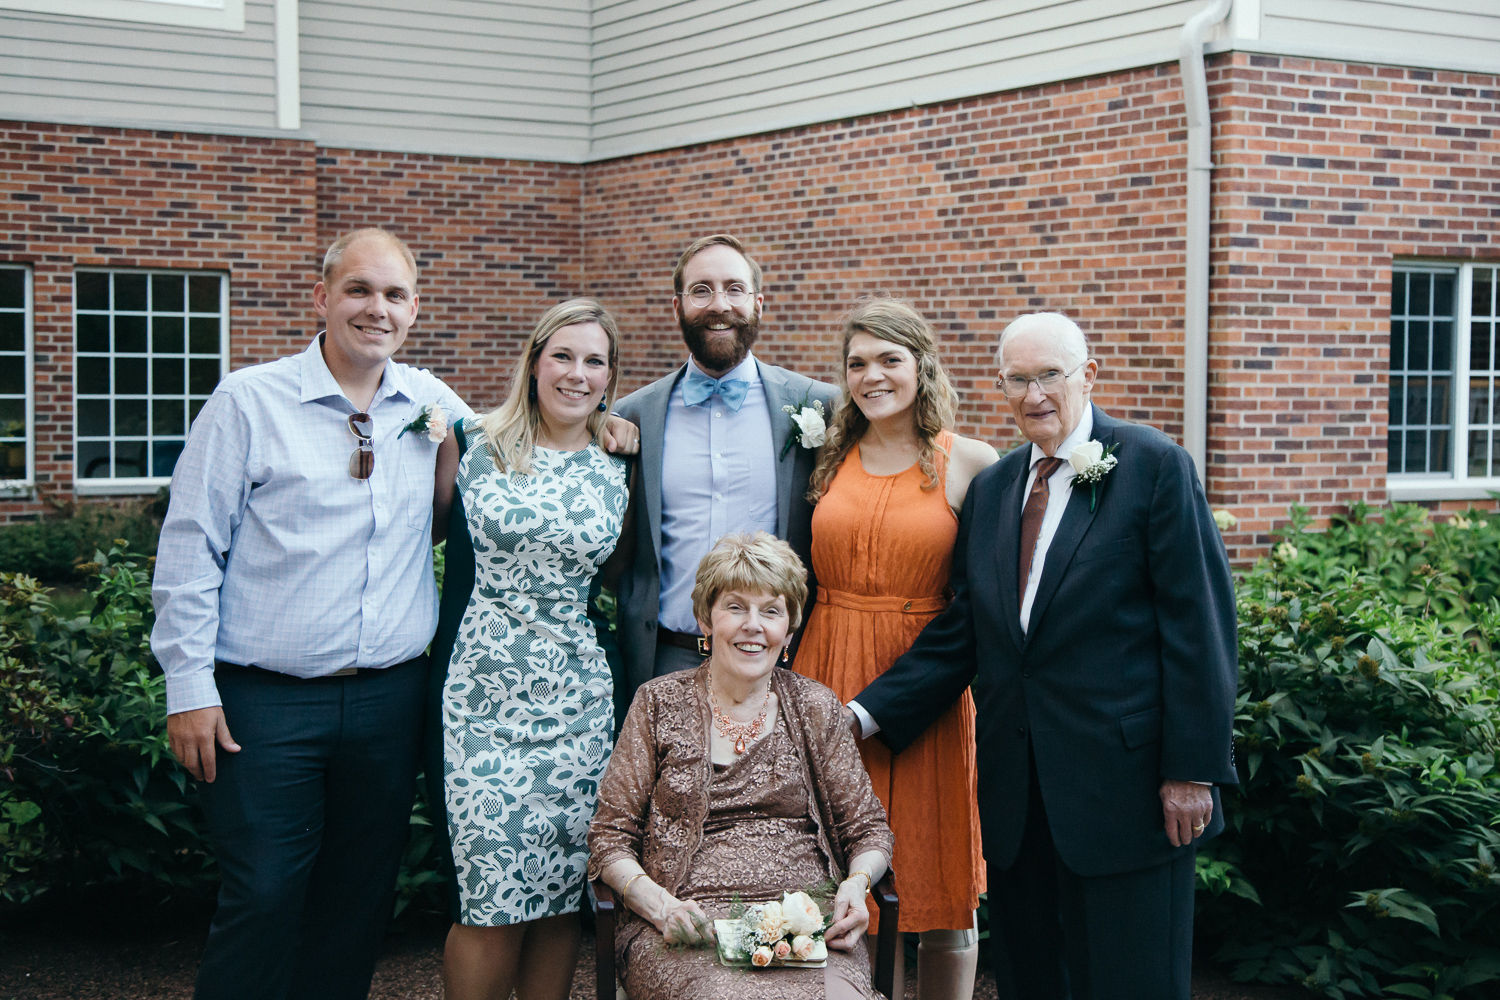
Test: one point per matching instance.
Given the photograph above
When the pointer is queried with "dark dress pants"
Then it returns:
(308, 822)
(1058, 935)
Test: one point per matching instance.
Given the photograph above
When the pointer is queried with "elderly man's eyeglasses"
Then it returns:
(362, 462)
(1016, 386)
(703, 296)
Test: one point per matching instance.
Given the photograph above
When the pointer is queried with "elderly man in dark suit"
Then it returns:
(1094, 615)
(719, 454)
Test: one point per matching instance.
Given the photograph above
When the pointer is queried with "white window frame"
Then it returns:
(219, 15)
(1457, 485)
(24, 486)
(139, 485)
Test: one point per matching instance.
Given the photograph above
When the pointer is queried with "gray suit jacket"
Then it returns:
(640, 585)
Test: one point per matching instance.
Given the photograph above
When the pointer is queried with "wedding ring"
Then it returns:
(1200, 827)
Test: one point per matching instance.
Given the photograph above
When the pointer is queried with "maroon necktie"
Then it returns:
(1031, 518)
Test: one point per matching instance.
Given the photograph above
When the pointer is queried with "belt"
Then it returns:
(680, 639)
(276, 675)
(863, 602)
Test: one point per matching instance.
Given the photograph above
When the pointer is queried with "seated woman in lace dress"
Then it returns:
(737, 780)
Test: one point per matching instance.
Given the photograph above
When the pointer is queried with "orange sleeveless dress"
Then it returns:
(881, 548)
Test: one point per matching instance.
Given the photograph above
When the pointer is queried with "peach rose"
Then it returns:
(801, 913)
(760, 957)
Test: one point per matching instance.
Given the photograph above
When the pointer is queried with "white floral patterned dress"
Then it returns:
(527, 704)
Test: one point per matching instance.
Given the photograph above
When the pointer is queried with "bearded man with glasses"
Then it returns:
(1093, 615)
(719, 455)
(294, 599)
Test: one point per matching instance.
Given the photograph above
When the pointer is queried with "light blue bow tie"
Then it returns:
(699, 387)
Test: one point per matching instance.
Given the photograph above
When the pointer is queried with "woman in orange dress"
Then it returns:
(887, 487)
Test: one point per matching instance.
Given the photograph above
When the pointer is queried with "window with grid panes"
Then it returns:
(15, 375)
(150, 347)
(1444, 417)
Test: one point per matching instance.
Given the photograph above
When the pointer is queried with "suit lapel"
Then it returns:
(777, 396)
(1007, 517)
(1076, 519)
(653, 438)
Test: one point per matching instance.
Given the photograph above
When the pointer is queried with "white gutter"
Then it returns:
(1200, 165)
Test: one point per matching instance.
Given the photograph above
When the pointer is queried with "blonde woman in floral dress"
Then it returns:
(887, 487)
(522, 698)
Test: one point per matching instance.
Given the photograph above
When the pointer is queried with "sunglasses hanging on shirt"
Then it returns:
(362, 461)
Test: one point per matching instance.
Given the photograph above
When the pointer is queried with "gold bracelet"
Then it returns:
(631, 880)
(868, 880)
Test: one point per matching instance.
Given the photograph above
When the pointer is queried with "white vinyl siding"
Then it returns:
(1444, 34)
(463, 77)
(73, 69)
(670, 74)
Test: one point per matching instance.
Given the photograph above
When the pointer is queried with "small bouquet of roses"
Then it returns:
(786, 933)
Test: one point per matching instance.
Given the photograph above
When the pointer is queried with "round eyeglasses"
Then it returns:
(1016, 386)
(703, 296)
(362, 461)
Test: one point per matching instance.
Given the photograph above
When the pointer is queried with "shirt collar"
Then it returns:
(746, 371)
(318, 382)
(1080, 435)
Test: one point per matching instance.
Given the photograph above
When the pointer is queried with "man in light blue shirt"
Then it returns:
(719, 454)
(294, 599)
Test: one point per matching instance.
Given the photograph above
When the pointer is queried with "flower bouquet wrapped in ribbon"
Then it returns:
(765, 935)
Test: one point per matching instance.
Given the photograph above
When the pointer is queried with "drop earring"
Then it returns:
(703, 647)
(603, 406)
(786, 653)
(532, 394)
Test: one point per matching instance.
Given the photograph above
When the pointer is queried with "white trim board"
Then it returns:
(218, 15)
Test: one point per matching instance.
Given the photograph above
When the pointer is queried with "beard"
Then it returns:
(715, 352)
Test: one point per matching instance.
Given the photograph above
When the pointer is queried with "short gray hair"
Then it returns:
(1074, 342)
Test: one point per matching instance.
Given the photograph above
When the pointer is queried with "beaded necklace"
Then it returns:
(743, 733)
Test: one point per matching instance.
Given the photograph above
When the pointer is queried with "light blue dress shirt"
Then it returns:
(272, 555)
(718, 476)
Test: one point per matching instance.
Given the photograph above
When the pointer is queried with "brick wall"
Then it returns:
(1066, 197)
(77, 196)
(1070, 197)
(1328, 171)
(497, 241)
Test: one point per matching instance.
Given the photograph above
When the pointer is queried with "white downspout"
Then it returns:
(1200, 166)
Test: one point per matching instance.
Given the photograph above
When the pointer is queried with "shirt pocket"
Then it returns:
(418, 466)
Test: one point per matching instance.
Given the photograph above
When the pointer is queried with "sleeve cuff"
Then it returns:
(867, 725)
(192, 691)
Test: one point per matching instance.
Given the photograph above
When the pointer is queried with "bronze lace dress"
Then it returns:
(786, 815)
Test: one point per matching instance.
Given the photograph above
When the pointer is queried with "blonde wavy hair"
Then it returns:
(752, 563)
(896, 322)
(511, 428)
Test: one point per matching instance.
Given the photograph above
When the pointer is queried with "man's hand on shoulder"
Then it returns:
(1187, 807)
(621, 437)
(194, 736)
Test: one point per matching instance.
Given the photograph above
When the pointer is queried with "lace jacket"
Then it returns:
(654, 796)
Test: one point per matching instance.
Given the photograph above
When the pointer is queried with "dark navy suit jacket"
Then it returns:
(1126, 677)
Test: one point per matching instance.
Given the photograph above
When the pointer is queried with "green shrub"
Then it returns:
(53, 549)
(1360, 855)
(90, 795)
(89, 792)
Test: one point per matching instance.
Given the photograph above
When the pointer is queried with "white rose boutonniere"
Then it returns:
(1091, 462)
(431, 420)
(812, 428)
